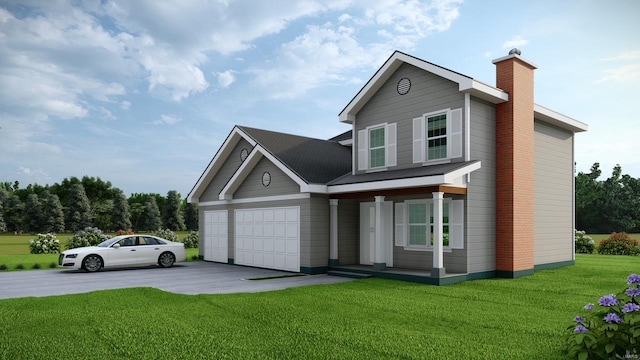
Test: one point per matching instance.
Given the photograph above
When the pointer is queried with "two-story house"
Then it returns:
(441, 179)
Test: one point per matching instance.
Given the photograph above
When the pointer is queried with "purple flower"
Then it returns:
(608, 300)
(579, 319)
(588, 306)
(630, 307)
(633, 292)
(612, 318)
(633, 279)
(580, 329)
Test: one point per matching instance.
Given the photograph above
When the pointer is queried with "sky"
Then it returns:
(143, 93)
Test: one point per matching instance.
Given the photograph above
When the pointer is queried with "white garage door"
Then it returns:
(268, 238)
(216, 241)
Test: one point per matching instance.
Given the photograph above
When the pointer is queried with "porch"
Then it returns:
(393, 273)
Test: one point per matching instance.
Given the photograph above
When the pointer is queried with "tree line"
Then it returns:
(75, 204)
(610, 205)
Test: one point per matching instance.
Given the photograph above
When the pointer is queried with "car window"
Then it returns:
(128, 241)
(146, 240)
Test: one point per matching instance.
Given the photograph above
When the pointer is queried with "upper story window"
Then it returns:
(437, 136)
(377, 147)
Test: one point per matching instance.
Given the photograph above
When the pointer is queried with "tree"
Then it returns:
(151, 217)
(79, 211)
(589, 198)
(3, 226)
(172, 217)
(52, 214)
(120, 218)
(13, 208)
(32, 214)
(190, 215)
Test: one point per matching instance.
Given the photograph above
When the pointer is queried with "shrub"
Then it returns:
(53, 265)
(619, 244)
(166, 234)
(19, 267)
(195, 257)
(610, 330)
(124, 232)
(191, 240)
(584, 242)
(3, 267)
(90, 236)
(36, 266)
(44, 244)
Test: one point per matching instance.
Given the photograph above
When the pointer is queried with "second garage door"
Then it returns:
(268, 238)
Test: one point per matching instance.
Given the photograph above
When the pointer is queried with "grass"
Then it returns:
(366, 319)
(14, 251)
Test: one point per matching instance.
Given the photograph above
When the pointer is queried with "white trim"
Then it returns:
(515, 56)
(467, 127)
(218, 160)
(348, 142)
(387, 184)
(557, 119)
(451, 177)
(466, 84)
(257, 199)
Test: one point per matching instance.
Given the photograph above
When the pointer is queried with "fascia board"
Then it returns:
(450, 177)
(484, 91)
(216, 163)
(240, 175)
(555, 118)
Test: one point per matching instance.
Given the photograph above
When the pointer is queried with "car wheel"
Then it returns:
(92, 263)
(166, 259)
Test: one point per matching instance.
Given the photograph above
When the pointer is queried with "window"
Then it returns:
(377, 147)
(437, 136)
(415, 224)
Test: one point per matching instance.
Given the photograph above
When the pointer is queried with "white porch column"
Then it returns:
(380, 256)
(438, 256)
(333, 232)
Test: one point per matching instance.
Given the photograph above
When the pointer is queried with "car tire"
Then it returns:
(166, 259)
(92, 263)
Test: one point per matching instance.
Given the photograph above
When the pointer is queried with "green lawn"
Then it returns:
(365, 319)
(14, 251)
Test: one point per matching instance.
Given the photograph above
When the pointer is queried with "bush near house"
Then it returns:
(584, 242)
(90, 236)
(619, 244)
(191, 241)
(166, 234)
(610, 329)
(44, 244)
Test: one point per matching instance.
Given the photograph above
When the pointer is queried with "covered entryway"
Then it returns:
(368, 232)
(268, 238)
(216, 240)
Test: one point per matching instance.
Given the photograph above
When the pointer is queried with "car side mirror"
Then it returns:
(116, 246)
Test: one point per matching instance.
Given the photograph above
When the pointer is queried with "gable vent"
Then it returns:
(404, 85)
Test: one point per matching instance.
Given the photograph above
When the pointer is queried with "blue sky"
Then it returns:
(143, 93)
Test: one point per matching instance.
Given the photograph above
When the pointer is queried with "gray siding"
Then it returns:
(316, 250)
(281, 183)
(231, 164)
(480, 205)
(428, 93)
(553, 194)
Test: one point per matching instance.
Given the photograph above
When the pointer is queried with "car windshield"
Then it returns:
(109, 242)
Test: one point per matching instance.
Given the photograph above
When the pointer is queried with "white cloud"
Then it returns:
(226, 78)
(167, 120)
(628, 69)
(125, 105)
(515, 42)
(629, 55)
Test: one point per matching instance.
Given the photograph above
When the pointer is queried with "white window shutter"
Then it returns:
(391, 151)
(418, 140)
(400, 225)
(455, 134)
(456, 224)
(363, 149)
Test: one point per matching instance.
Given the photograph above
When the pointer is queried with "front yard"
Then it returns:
(366, 319)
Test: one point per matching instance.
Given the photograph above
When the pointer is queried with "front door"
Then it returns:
(368, 232)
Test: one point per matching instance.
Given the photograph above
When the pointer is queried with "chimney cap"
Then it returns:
(515, 51)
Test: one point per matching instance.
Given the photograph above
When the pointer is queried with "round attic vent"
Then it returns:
(404, 85)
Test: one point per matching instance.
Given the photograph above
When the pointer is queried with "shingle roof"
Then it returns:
(421, 171)
(315, 161)
(344, 136)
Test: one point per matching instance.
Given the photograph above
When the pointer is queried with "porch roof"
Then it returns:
(442, 174)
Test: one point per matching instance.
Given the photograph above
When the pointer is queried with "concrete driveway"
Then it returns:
(190, 278)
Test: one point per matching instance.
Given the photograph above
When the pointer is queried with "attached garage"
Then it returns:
(268, 238)
(216, 240)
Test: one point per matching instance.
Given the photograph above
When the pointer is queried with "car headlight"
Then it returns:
(71, 256)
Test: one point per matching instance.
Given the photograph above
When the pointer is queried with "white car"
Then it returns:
(124, 251)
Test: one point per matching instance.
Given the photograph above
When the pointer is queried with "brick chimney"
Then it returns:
(514, 167)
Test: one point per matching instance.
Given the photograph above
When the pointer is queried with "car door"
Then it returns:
(148, 250)
(125, 254)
